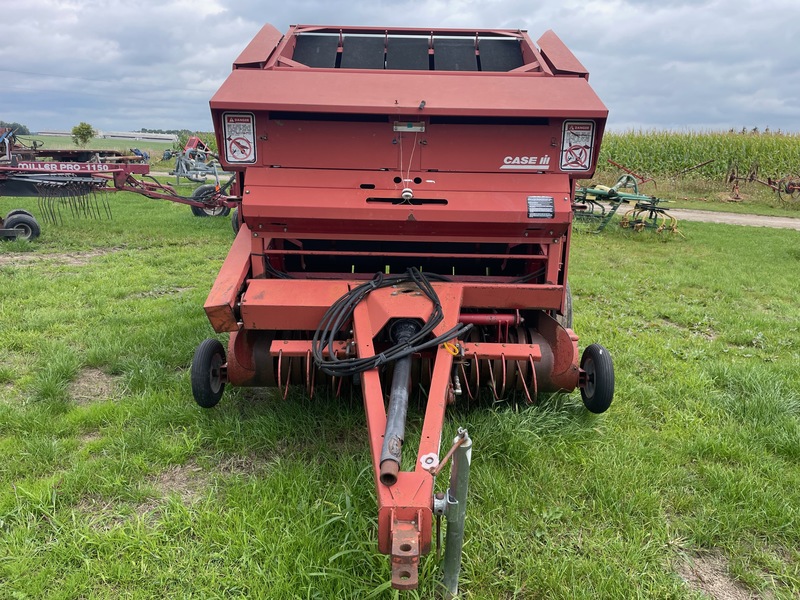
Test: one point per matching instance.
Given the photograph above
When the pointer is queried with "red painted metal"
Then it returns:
(349, 168)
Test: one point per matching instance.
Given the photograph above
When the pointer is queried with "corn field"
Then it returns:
(669, 154)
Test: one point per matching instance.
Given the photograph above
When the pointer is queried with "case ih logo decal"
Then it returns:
(240, 137)
(529, 163)
(577, 145)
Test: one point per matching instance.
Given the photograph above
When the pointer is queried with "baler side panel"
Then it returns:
(258, 51)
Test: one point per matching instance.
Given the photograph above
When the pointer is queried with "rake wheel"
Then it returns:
(26, 226)
(789, 189)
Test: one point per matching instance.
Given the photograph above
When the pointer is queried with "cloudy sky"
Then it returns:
(129, 64)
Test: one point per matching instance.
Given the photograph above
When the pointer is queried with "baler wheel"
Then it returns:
(598, 392)
(235, 221)
(565, 319)
(206, 373)
(26, 226)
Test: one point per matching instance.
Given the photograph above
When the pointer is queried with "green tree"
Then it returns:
(18, 128)
(82, 133)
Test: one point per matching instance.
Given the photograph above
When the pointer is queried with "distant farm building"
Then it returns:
(136, 135)
(120, 135)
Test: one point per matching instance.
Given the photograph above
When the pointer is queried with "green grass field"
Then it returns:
(113, 484)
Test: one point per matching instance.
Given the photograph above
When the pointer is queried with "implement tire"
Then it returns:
(26, 226)
(201, 211)
(598, 392)
(207, 381)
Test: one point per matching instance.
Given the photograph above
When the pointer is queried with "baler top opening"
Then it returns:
(408, 52)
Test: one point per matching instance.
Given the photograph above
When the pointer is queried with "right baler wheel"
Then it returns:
(598, 392)
(206, 373)
(565, 319)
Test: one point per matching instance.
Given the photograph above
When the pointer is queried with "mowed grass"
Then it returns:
(113, 484)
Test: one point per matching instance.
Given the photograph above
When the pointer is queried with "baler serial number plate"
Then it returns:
(541, 207)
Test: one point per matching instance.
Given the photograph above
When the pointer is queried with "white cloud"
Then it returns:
(656, 63)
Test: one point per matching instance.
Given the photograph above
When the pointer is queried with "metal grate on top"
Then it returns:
(412, 53)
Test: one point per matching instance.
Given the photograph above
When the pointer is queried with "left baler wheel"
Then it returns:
(206, 373)
(598, 392)
(235, 221)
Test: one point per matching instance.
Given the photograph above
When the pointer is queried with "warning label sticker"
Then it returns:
(240, 137)
(577, 145)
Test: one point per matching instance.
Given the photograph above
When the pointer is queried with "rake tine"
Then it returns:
(91, 203)
(55, 206)
(107, 205)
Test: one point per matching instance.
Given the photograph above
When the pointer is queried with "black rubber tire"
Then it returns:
(235, 221)
(207, 382)
(18, 211)
(565, 319)
(199, 211)
(25, 224)
(598, 392)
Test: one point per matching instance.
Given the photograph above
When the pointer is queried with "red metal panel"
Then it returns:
(477, 214)
(298, 143)
(222, 298)
(35, 166)
(491, 148)
(483, 295)
(432, 184)
(260, 48)
(287, 212)
(559, 56)
(400, 93)
(284, 304)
